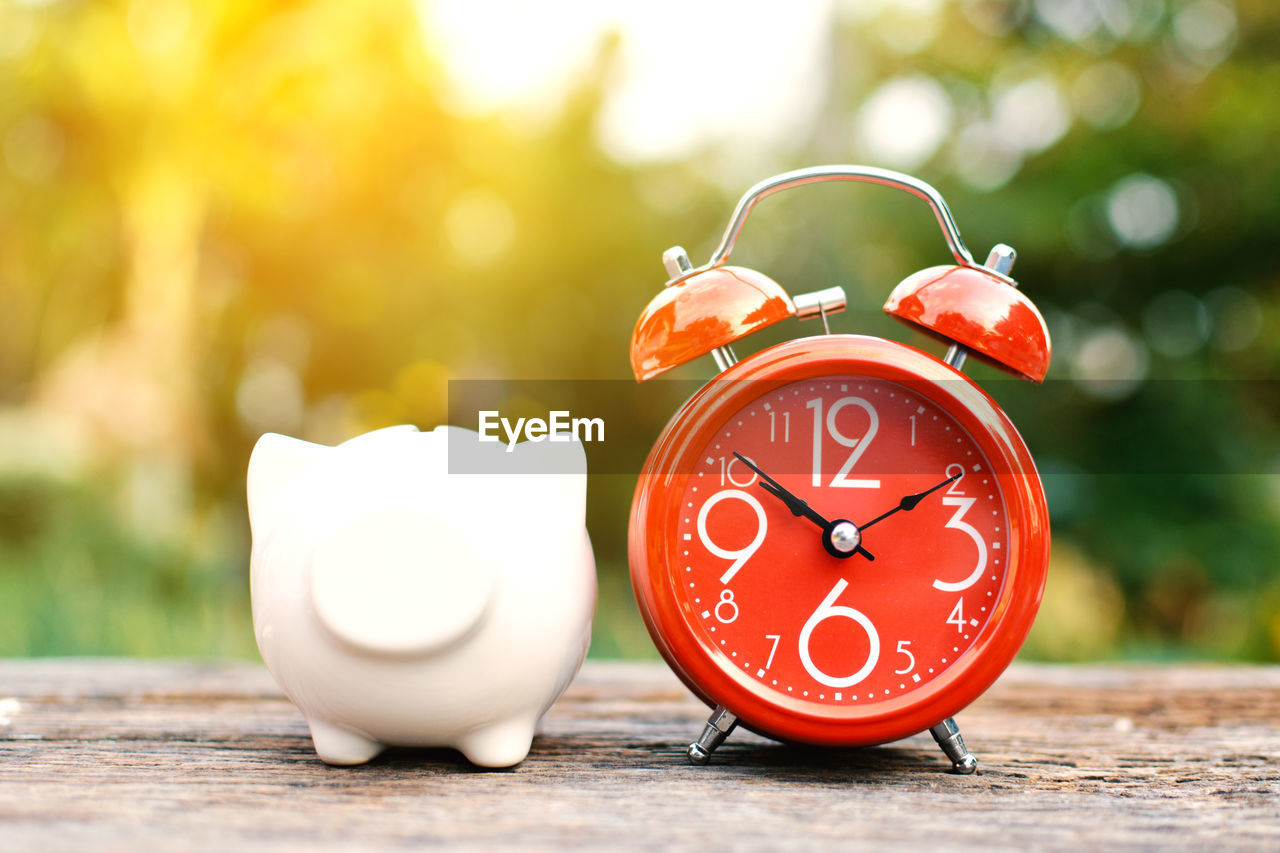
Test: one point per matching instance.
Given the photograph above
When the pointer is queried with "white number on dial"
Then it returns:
(773, 650)
(828, 609)
(786, 427)
(911, 659)
(726, 472)
(858, 446)
(741, 555)
(957, 522)
(726, 609)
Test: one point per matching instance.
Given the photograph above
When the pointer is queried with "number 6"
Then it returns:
(828, 609)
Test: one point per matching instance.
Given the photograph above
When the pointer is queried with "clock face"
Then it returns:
(781, 597)
(842, 541)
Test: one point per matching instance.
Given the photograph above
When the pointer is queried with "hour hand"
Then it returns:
(797, 506)
(840, 537)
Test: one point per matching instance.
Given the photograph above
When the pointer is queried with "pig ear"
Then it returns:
(276, 463)
(557, 472)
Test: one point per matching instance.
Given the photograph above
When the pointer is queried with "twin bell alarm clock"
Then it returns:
(840, 540)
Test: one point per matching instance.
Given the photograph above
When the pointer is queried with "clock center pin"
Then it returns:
(845, 537)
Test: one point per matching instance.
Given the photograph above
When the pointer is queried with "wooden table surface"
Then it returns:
(107, 754)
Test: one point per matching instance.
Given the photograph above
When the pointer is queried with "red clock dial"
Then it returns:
(846, 546)
(842, 630)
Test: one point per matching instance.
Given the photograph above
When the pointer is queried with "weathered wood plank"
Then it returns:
(128, 755)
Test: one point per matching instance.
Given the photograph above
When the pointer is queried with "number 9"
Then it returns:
(741, 555)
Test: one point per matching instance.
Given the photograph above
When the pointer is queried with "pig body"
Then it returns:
(400, 605)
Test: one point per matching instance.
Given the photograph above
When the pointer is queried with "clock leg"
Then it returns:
(719, 725)
(948, 736)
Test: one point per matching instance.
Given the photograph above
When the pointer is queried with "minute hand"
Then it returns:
(909, 502)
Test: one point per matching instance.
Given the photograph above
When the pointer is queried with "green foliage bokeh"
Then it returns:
(282, 223)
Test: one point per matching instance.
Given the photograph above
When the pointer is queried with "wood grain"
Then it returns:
(142, 755)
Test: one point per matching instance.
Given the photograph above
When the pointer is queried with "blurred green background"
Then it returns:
(224, 218)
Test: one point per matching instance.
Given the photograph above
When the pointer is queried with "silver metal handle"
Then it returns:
(866, 174)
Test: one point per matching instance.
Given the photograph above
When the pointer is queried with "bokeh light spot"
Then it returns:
(1106, 94)
(1205, 32)
(1142, 211)
(284, 338)
(994, 17)
(982, 159)
(159, 27)
(1236, 316)
(907, 26)
(270, 397)
(903, 122)
(1072, 20)
(1110, 363)
(480, 226)
(1031, 115)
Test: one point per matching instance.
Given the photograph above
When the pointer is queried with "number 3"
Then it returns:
(957, 522)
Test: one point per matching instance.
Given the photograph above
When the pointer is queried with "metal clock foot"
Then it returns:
(948, 736)
(719, 725)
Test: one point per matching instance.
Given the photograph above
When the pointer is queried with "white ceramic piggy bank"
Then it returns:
(399, 604)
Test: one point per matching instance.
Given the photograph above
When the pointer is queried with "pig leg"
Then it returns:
(501, 744)
(340, 746)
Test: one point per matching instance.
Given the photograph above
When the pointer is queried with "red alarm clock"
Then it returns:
(841, 539)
